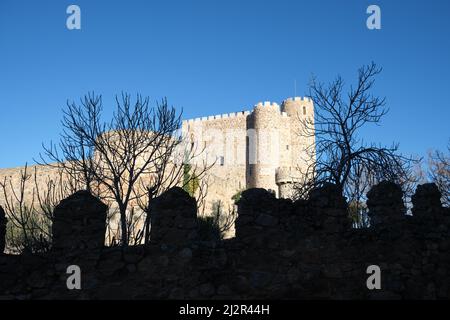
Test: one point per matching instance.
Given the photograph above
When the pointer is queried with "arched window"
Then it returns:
(304, 110)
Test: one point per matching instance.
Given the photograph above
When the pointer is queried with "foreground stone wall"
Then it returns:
(282, 250)
(3, 222)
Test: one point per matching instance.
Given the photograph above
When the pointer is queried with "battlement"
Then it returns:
(267, 109)
(262, 105)
(267, 104)
(313, 236)
(218, 117)
(298, 99)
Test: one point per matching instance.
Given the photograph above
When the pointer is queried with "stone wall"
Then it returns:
(174, 218)
(253, 145)
(3, 222)
(79, 223)
(282, 250)
(220, 138)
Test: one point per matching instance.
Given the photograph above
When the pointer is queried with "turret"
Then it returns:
(263, 145)
(299, 110)
(298, 107)
(285, 179)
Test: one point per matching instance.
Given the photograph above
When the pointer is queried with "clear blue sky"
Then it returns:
(218, 56)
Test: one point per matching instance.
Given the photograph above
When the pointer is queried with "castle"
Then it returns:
(261, 148)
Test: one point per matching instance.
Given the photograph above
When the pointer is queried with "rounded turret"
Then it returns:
(263, 145)
(285, 177)
(298, 106)
(300, 111)
(264, 114)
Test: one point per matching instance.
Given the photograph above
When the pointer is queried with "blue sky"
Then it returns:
(217, 56)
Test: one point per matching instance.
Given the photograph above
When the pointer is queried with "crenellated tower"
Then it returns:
(261, 148)
(299, 111)
(263, 136)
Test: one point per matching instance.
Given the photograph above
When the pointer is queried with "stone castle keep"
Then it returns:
(261, 148)
(248, 149)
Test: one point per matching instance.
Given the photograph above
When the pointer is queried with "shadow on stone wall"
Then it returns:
(2, 229)
(282, 250)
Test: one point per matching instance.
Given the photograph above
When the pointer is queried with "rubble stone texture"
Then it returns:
(79, 223)
(2, 229)
(385, 203)
(173, 217)
(426, 200)
(282, 250)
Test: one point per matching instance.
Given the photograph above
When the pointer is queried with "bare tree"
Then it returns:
(110, 158)
(29, 205)
(439, 172)
(202, 192)
(339, 155)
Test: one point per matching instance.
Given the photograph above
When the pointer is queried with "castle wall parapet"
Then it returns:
(230, 115)
(298, 99)
(264, 105)
(385, 203)
(283, 250)
(79, 223)
(174, 218)
(3, 222)
(427, 202)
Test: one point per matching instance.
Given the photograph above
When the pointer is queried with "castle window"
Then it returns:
(222, 161)
(250, 171)
(287, 147)
(304, 110)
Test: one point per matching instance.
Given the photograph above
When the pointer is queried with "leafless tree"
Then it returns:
(202, 192)
(339, 155)
(29, 204)
(439, 172)
(110, 158)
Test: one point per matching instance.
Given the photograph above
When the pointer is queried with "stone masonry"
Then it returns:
(2, 229)
(169, 223)
(79, 223)
(261, 148)
(282, 250)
